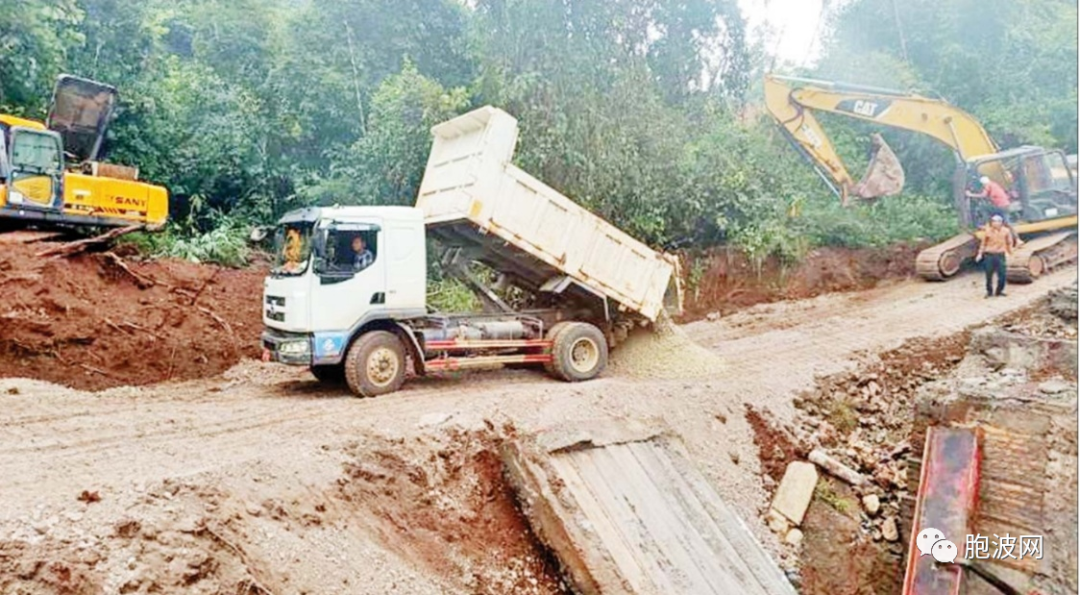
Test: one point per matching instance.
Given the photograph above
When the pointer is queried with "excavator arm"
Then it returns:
(792, 102)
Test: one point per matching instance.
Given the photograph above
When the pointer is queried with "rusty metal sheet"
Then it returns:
(627, 513)
(947, 501)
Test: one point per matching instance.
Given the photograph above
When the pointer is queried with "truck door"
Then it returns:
(36, 169)
(350, 275)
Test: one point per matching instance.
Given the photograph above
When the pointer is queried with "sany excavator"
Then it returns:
(49, 171)
(1040, 181)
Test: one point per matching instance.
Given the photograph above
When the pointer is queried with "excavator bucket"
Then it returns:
(80, 112)
(884, 177)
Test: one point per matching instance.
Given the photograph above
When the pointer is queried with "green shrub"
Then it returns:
(450, 295)
(226, 244)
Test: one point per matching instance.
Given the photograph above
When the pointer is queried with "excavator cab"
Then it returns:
(1040, 181)
(31, 164)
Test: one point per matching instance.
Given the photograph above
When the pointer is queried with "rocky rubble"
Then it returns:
(1063, 303)
(861, 420)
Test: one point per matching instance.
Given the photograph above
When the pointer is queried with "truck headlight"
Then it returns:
(294, 347)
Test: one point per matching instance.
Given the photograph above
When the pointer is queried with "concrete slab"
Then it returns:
(796, 490)
(627, 513)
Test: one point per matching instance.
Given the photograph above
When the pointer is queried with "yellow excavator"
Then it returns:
(50, 173)
(1040, 181)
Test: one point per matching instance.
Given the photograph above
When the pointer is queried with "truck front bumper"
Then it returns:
(283, 347)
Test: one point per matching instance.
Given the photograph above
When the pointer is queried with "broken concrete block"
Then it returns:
(795, 491)
(626, 513)
(794, 537)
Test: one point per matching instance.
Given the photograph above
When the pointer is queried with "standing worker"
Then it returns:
(996, 245)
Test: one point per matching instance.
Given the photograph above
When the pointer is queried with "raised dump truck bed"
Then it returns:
(473, 198)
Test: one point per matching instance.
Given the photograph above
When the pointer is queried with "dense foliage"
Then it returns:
(642, 110)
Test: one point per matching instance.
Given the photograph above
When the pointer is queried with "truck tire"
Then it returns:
(580, 352)
(551, 334)
(331, 374)
(375, 364)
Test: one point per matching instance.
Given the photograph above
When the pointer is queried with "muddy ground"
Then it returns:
(724, 281)
(88, 322)
(260, 480)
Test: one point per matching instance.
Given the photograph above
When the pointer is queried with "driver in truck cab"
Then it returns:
(362, 257)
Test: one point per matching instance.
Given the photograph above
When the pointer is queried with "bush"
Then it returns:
(450, 295)
(226, 244)
(891, 220)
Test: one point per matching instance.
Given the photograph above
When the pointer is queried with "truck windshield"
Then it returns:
(292, 248)
(34, 151)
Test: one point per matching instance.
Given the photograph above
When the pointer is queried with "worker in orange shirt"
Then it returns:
(997, 243)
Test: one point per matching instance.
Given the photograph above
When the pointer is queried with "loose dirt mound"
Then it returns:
(95, 321)
(726, 280)
(448, 505)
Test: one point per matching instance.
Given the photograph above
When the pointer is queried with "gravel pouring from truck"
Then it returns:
(347, 295)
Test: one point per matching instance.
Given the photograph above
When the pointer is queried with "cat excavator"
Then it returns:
(50, 173)
(1041, 181)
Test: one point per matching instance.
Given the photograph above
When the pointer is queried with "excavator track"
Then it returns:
(944, 260)
(1041, 255)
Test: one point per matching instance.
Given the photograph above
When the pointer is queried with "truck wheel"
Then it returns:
(375, 364)
(331, 374)
(551, 334)
(580, 352)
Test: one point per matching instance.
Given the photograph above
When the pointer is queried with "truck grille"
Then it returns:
(275, 308)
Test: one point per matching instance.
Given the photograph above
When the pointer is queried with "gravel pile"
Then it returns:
(664, 351)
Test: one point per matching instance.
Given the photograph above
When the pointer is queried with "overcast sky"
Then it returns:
(794, 24)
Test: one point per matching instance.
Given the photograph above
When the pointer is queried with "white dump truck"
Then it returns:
(347, 294)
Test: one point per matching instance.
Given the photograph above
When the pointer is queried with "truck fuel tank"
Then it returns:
(476, 331)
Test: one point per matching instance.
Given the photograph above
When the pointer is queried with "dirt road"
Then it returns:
(261, 453)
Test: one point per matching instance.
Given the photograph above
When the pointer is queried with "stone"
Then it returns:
(794, 537)
(889, 530)
(1053, 387)
(734, 457)
(712, 316)
(872, 504)
(795, 491)
(254, 509)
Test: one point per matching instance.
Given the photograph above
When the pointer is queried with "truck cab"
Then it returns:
(337, 271)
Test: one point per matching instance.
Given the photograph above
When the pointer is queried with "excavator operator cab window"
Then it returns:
(36, 152)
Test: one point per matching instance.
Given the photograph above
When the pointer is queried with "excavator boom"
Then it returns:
(793, 102)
